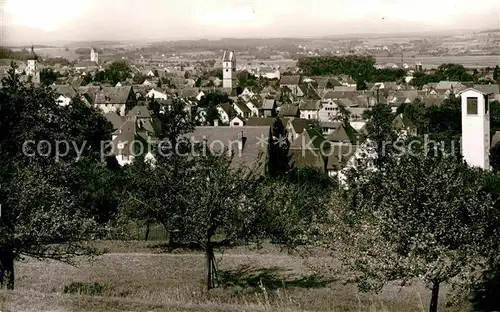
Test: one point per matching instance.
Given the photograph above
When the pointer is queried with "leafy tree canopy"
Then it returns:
(424, 217)
(49, 192)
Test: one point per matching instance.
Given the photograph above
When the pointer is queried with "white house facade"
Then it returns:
(63, 100)
(328, 111)
(156, 94)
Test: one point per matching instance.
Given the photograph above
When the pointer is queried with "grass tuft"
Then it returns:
(84, 288)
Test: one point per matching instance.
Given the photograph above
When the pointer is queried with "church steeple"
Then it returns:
(229, 70)
(34, 56)
(94, 56)
(32, 67)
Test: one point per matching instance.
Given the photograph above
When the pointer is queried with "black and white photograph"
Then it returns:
(249, 155)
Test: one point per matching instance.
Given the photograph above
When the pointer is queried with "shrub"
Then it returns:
(83, 288)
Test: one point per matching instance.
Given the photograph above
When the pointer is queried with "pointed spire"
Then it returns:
(35, 57)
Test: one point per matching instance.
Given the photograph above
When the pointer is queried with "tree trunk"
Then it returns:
(211, 268)
(7, 267)
(147, 231)
(434, 298)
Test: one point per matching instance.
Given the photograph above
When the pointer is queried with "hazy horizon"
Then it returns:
(51, 21)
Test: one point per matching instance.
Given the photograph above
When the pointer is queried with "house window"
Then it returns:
(471, 106)
(227, 70)
(236, 123)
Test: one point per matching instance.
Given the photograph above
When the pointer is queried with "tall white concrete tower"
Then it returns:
(94, 56)
(475, 128)
(229, 70)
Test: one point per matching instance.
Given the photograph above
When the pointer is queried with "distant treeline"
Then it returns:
(6, 53)
(78, 44)
(86, 51)
(489, 31)
(360, 68)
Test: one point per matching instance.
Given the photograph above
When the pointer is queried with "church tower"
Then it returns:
(229, 70)
(94, 56)
(32, 67)
(475, 128)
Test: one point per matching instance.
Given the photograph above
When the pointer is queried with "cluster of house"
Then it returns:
(309, 108)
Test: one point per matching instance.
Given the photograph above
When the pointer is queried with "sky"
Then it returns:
(41, 21)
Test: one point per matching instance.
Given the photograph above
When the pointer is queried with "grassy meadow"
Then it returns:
(142, 276)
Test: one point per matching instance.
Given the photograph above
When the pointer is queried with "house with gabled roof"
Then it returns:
(115, 119)
(268, 108)
(236, 122)
(122, 143)
(289, 110)
(329, 126)
(386, 85)
(309, 92)
(86, 65)
(65, 93)
(115, 99)
(309, 109)
(328, 110)
(309, 149)
(295, 127)
(345, 133)
(267, 122)
(292, 84)
(347, 81)
(344, 89)
(248, 145)
(404, 126)
(493, 90)
(226, 112)
(253, 107)
(357, 112)
(247, 92)
(241, 109)
(128, 130)
(157, 93)
(147, 73)
(322, 82)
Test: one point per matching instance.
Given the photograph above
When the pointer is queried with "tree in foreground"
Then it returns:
(424, 218)
(215, 199)
(380, 132)
(46, 214)
(279, 154)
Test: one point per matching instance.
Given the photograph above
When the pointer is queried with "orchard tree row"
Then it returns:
(416, 217)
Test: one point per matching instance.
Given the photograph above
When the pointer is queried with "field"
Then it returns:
(427, 61)
(139, 276)
(479, 61)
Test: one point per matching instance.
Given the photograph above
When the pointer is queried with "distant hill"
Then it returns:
(80, 44)
(36, 46)
(489, 31)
